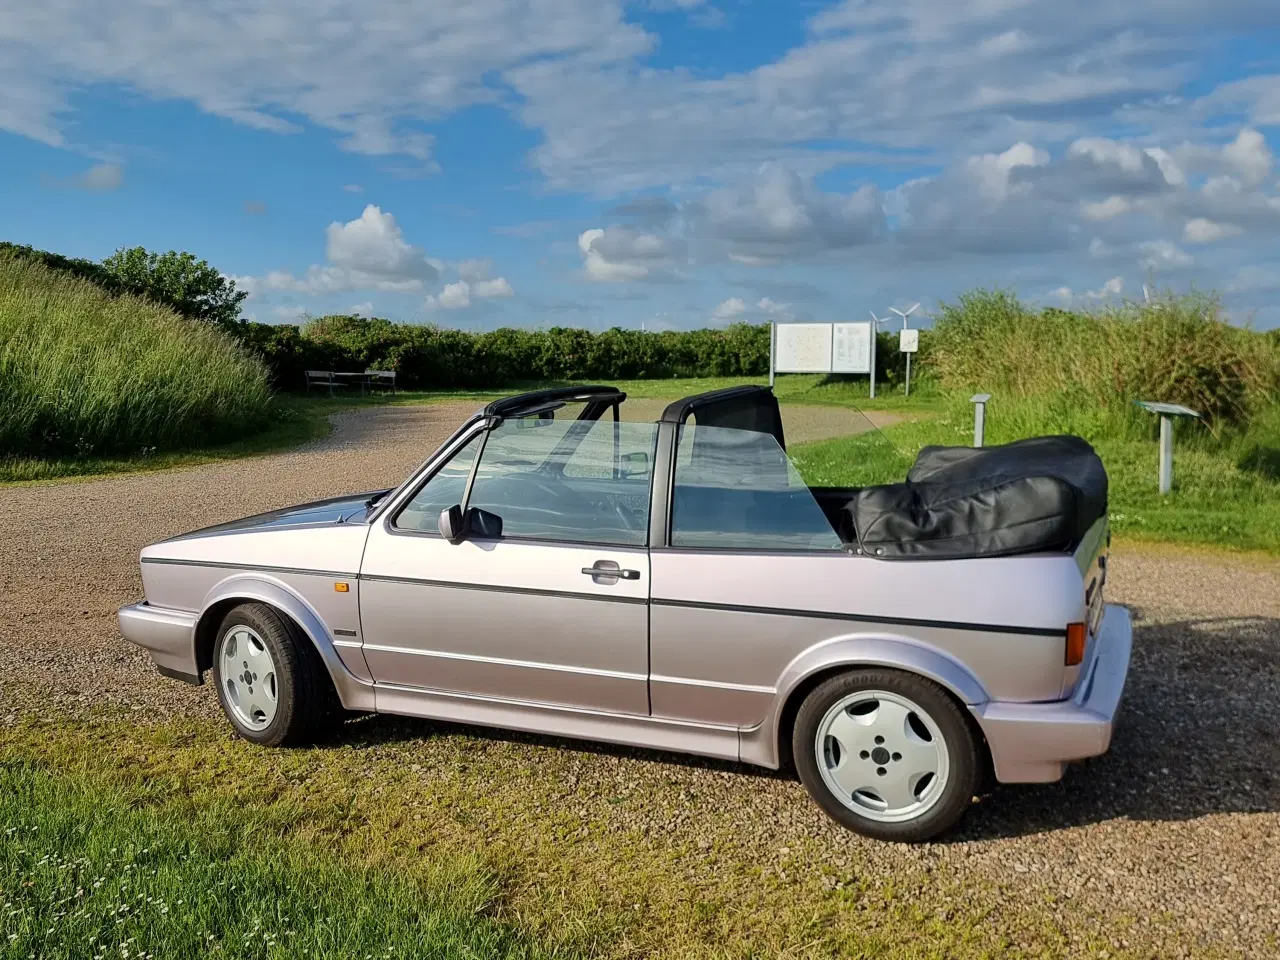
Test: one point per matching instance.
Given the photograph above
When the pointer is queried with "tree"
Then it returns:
(190, 286)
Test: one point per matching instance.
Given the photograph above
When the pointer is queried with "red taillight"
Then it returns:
(1076, 637)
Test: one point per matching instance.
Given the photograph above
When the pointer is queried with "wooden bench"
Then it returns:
(323, 378)
(380, 378)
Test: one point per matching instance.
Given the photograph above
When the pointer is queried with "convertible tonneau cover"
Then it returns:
(960, 502)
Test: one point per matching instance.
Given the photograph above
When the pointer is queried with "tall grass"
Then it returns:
(1175, 349)
(86, 373)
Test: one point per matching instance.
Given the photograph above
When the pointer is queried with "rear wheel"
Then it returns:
(271, 682)
(887, 754)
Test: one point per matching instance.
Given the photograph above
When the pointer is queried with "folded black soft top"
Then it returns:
(963, 502)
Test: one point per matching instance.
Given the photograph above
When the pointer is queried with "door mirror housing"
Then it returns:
(635, 466)
(450, 525)
(454, 525)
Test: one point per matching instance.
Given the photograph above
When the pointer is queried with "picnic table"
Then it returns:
(340, 378)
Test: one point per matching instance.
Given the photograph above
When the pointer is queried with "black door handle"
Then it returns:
(608, 568)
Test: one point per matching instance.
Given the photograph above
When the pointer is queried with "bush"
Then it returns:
(1175, 349)
(431, 358)
(84, 372)
(178, 280)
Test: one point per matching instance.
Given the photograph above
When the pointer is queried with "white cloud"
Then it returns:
(496, 288)
(992, 170)
(1107, 209)
(728, 309)
(1111, 289)
(1163, 255)
(735, 308)
(353, 188)
(372, 71)
(1201, 230)
(779, 215)
(364, 309)
(619, 254)
(367, 253)
(101, 178)
(462, 294)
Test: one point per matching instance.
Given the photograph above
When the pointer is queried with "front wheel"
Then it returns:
(271, 683)
(887, 754)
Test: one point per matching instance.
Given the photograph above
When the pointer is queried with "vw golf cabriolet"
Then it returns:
(676, 585)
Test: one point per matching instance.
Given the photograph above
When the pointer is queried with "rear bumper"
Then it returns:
(168, 635)
(1033, 742)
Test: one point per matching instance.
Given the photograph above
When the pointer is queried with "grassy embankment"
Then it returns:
(91, 382)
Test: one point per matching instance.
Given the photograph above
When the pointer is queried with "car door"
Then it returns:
(736, 569)
(552, 609)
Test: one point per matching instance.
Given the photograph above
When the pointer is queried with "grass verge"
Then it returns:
(428, 843)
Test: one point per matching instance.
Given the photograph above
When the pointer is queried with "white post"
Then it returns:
(979, 401)
(773, 336)
(1166, 454)
(873, 360)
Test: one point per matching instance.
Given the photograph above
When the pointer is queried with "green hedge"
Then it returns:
(434, 358)
(429, 357)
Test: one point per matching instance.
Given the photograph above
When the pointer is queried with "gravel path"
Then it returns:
(1177, 830)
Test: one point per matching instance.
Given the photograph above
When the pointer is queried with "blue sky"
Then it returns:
(666, 163)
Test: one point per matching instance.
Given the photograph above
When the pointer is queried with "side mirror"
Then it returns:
(635, 466)
(450, 525)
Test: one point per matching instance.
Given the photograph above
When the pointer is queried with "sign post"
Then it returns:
(821, 348)
(908, 343)
(1166, 412)
(979, 401)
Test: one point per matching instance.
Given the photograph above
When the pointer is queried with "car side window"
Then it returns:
(736, 490)
(576, 481)
(443, 490)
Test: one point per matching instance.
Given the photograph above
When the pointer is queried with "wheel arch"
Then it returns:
(354, 693)
(769, 743)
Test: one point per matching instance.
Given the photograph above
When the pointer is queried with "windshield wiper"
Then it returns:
(372, 501)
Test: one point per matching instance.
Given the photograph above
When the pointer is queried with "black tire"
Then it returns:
(306, 703)
(965, 754)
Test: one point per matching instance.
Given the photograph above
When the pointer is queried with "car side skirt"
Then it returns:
(653, 733)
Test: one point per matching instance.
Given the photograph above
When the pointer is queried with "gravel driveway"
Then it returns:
(1177, 830)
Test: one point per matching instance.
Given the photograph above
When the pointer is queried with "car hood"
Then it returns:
(351, 508)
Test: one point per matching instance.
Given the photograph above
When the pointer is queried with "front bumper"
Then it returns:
(168, 635)
(1033, 742)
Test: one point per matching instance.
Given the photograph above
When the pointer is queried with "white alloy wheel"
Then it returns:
(248, 675)
(882, 756)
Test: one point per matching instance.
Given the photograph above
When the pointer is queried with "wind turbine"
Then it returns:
(904, 316)
(875, 329)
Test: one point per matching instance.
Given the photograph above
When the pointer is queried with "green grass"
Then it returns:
(434, 841)
(1226, 488)
(84, 374)
(113, 870)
